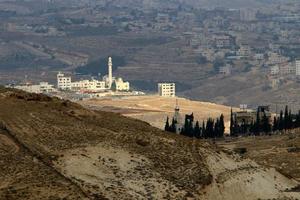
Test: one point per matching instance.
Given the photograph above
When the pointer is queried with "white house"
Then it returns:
(167, 89)
(43, 87)
(89, 85)
(121, 85)
(64, 82)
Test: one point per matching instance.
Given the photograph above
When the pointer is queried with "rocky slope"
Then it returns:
(55, 149)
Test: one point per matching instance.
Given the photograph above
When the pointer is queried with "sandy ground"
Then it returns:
(155, 109)
(101, 155)
(271, 151)
(237, 179)
(117, 172)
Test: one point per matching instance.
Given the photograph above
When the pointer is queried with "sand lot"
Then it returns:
(155, 109)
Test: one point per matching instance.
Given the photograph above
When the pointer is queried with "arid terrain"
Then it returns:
(279, 151)
(55, 149)
(155, 109)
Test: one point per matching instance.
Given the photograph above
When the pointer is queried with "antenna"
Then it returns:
(177, 105)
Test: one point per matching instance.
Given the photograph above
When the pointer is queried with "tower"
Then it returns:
(109, 72)
(177, 118)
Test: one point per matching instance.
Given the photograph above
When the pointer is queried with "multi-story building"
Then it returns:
(248, 14)
(121, 85)
(43, 87)
(297, 67)
(166, 89)
(275, 58)
(64, 82)
(225, 70)
(89, 85)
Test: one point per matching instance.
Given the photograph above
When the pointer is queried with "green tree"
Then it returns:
(197, 130)
(173, 126)
(281, 121)
(222, 126)
(266, 126)
(231, 123)
(167, 125)
(275, 124)
(286, 118)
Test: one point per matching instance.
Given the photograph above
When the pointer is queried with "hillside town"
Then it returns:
(108, 86)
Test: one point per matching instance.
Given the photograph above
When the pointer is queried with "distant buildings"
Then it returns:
(246, 117)
(108, 83)
(225, 70)
(247, 14)
(43, 87)
(64, 82)
(275, 58)
(297, 67)
(167, 89)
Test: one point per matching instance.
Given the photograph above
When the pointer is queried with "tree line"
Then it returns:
(215, 128)
(285, 121)
(209, 129)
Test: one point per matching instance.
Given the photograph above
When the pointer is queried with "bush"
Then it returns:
(241, 150)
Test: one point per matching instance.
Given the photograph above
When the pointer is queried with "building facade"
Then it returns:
(167, 89)
(64, 82)
(43, 87)
(297, 67)
(108, 82)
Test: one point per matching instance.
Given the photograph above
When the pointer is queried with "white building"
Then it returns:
(166, 89)
(120, 85)
(225, 70)
(297, 67)
(89, 85)
(64, 82)
(248, 14)
(109, 75)
(275, 70)
(244, 50)
(275, 58)
(43, 87)
(93, 85)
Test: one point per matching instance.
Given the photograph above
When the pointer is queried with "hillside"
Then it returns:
(55, 149)
(155, 110)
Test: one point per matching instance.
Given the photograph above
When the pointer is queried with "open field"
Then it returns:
(155, 109)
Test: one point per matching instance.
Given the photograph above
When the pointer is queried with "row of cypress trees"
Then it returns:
(209, 129)
(285, 121)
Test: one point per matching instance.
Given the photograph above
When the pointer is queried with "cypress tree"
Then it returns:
(231, 123)
(197, 130)
(222, 126)
(281, 121)
(167, 125)
(185, 129)
(216, 131)
(204, 130)
(266, 127)
(257, 123)
(297, 123)
(286, 118)
(275, 124)
(173, 126)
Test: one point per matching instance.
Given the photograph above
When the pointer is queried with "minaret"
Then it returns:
(177, 114)
(109, 72)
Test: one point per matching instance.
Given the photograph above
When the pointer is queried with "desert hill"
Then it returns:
(155, 110)
(56, 149)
